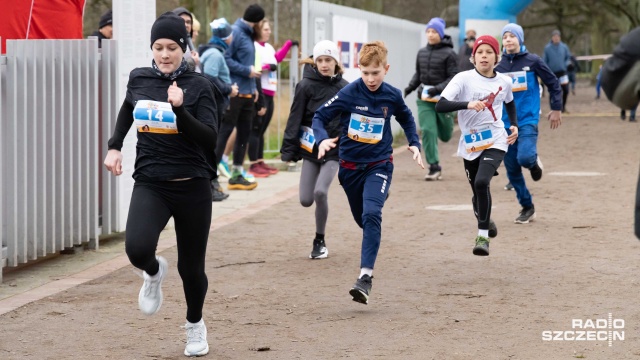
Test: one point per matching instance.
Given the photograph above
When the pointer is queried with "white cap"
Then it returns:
(326, 48)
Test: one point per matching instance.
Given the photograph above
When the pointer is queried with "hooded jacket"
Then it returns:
(528, 101)
(240, 56)
(311, 92)
(435, 65)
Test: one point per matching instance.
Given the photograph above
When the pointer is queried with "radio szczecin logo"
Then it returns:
(609, 329)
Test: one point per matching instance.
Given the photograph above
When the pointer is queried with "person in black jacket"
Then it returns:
(172, 171)
(321, 80)
(436, 64)
(621, 83)
(105, 27)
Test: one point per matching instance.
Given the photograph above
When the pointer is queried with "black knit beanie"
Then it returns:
(170, 26)
(105, 19)
(254, 13)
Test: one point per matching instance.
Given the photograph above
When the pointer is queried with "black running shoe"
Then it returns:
(435, 173)
(216, 191)
(508, 187)
(238, 182)
(493, 229)
(526, 215)
(536, 170)
(319, 251)
(360, 290)
(482, 246)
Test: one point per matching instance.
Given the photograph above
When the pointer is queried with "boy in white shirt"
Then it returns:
(483, 139)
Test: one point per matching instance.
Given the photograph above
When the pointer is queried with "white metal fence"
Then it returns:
(51, 95)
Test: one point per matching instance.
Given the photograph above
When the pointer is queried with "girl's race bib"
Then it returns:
(155, 117)
(273, 77)
(365, 129)
(306, 138)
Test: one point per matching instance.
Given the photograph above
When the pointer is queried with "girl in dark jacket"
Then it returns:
(321, 80)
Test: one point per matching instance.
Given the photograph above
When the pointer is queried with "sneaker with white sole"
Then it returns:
(223, 169)
(526, 215)
(361, 289)
(319, 250)
(248, 176)
(435, 173)
(150, 296)
(197, 344)
(536, 170)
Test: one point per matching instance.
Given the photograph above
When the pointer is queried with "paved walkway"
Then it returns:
(60, 272)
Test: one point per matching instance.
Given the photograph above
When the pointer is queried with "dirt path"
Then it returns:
(431, 299)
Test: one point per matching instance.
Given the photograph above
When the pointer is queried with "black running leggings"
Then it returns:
(189, 202)
(258, 128)
(239, 115)
(479, 173)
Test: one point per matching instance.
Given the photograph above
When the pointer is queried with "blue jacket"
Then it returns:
(240, 56)
(557, 57)
(213, 63)
(356, 101)
(528, 101)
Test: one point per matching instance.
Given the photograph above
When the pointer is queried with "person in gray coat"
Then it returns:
(558, 57)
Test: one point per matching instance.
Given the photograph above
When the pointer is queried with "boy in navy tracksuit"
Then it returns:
(365, 108)
(524, 69)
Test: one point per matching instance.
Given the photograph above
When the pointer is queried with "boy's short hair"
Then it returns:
(373, 53)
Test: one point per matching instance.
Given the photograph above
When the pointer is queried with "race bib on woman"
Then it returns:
(478, 139)
(155, 117)
(365, 129)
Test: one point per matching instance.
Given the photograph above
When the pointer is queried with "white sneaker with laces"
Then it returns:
(197, 344)
(150, 297)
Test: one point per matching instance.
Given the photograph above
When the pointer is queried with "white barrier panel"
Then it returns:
(49, 131)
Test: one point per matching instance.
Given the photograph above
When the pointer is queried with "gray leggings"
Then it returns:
(315, 180)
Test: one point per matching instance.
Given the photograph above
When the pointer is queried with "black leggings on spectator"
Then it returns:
(258, 128)
(189, 202)
(239, 115)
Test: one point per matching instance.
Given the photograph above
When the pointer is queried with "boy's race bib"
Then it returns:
(155, 117)
(306, 138)
(425, 94)
(518, 80)
(365, 129)
(478, 139)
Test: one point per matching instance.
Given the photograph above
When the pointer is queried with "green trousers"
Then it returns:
(433, 125)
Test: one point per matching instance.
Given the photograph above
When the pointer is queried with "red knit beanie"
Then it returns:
(486, 39)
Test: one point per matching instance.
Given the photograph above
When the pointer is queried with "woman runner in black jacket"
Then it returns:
(174, 110)
(321, 80)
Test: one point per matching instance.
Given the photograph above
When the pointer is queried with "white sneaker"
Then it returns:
(150, 297)
(196, 339)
